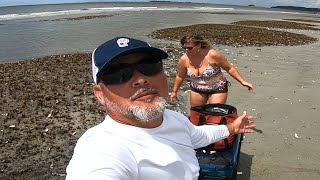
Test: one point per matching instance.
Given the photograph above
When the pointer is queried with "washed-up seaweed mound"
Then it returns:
(304, 20)
(45, 104)
(236, 35)
(278, 24)
(81, 18)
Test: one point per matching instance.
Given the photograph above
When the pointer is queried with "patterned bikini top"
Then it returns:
(210, 80)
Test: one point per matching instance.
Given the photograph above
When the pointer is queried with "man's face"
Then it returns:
(141, 98)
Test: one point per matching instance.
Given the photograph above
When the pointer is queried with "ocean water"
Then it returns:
(34, 31)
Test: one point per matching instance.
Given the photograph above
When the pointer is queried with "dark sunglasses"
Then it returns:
(188, 48)
(121, 73)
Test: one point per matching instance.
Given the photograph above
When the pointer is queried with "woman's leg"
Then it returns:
(218, 98)
(197, 99)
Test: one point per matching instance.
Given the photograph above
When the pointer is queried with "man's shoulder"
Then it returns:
(100, 140)
(100, 135)
(172, 112)
(168, 113)
(99, 149)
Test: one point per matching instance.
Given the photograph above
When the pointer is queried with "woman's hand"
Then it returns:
(243, 124)
(173, 96)
(248, 85)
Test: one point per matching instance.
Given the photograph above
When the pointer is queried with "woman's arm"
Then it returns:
(181, 75)
(222, 62)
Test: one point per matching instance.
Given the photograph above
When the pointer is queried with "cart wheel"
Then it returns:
(234, 174)
(235, 171)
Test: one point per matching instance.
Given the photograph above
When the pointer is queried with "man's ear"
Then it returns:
(99, 95)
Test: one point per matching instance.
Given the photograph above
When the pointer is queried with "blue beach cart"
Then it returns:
(220, 165)
(217, 163)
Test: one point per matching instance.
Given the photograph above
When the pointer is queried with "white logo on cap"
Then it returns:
(123, 42)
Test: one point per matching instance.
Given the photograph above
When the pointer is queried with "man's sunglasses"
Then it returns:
(121, 73)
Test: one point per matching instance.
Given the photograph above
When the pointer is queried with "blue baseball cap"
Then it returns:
(120, 46)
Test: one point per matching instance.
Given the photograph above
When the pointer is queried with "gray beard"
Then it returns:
(139, 113)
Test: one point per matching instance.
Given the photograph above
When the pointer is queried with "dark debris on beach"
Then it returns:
(81, 18)
(279, 25)
(304, 20)
(45, 104)
(236, 35)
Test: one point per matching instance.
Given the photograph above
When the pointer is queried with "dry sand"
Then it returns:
(286, 105)
(47, 104)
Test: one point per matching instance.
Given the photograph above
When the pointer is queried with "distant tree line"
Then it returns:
(298, 8)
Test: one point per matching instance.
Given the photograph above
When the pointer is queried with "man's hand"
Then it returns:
(243, 124)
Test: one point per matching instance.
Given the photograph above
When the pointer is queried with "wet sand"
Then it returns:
(47, 103)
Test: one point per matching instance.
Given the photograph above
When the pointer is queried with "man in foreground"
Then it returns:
(140, 138)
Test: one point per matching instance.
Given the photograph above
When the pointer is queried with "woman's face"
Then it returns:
(190, 47)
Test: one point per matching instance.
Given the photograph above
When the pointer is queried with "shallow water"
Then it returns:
(34, 31)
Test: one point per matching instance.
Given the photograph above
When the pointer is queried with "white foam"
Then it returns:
(39, 14)
(106, 9)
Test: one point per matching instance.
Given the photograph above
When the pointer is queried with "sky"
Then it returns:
(262, 3)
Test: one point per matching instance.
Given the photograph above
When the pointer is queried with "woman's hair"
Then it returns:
(196, 39)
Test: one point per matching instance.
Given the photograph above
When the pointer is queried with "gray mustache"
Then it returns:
(142, 90)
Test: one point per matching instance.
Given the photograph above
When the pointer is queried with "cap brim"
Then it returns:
(155, 52)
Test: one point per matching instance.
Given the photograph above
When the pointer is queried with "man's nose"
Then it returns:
(140, 80)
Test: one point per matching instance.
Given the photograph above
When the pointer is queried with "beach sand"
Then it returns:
(47, 104)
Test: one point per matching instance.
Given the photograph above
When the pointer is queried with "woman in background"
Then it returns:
(201, 65)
